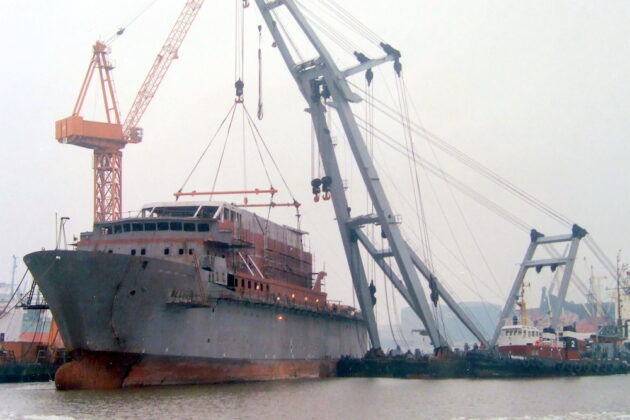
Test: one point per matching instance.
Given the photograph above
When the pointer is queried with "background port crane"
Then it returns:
(107, 139)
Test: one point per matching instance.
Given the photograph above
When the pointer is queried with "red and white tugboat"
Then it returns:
(523, 340)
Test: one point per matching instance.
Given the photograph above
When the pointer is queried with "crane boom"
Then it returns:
(107, 139)
(167, 54)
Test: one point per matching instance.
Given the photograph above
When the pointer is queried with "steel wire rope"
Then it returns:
(413, 170)
(446, 266)
(481, 199)
(37, 327)
(123, 28)
(457, 298)
(399, 192)
(476, 291)
(463, 264)
(239, 78)
(356, 325)
(418, 201)
(397, 318)
(284, 33)
(369, 137)
(259, 111)
(230, 112)
(475, 165)
(389, 319)
(437, 237)
(350, 20)
(4, 310)
(328, 30)
(262, 161)
(264, 143)
(601, 256)
(575, 279)
(227, 136)
(462, 215)
(446, 334)
(392, 143)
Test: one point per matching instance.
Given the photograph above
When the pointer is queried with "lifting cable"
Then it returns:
(227, 136)
(121, 30)
(471, 163)
(5, 310)
(205, 150)
(447, 248)
(402, 93)
(286, 185)
(413, 169)
(389, 317)
(360, 339)
(495, 178)
(459, 209)
(285, 34)
(392, 143)
(397, 317)
(259, 112)
(350, 21)
(328, 30)
(239, 78)
(257, 134)
(369, 138)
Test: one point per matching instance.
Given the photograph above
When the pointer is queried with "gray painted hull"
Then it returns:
(125, 305)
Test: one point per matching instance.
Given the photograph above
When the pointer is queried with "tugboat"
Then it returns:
(523, 340)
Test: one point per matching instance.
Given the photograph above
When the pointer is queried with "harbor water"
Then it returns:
(352, 398)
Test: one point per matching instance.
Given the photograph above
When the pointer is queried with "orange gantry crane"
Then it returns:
(107, 139)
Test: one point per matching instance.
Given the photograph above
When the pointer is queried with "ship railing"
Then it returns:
(329, 307)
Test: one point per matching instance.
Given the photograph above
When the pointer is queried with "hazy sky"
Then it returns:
(537, 91)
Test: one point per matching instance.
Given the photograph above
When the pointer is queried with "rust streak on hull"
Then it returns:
(100, 370)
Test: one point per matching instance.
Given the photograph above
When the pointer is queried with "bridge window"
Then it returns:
(117, 228)
(137, 227)
(127, 227)
(189, 227)
(149, 226)
(176, 226)
(162, 226)
(203, 227)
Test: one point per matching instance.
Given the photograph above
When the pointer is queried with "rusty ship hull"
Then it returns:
(133, 320)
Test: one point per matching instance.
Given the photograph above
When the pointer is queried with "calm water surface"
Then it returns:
(564, 398)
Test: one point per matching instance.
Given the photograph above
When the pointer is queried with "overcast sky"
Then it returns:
(537, 91)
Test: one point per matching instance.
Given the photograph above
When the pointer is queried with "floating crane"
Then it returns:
(107, 139)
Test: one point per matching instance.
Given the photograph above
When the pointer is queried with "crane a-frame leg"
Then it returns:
(537, 238)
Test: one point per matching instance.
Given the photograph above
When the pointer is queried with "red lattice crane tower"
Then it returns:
(107, 139)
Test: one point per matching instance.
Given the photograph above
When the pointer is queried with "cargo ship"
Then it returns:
(192, 292)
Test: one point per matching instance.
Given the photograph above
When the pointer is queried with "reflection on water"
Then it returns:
(563, 398)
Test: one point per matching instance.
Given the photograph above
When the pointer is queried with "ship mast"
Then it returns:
(321, 78)
(619, 320)
(522, 304)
